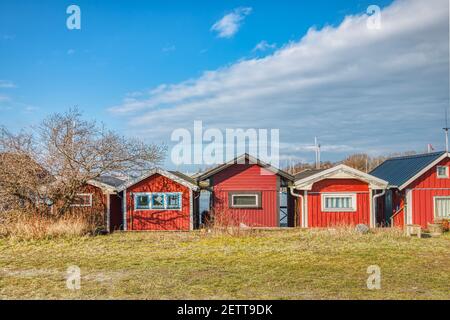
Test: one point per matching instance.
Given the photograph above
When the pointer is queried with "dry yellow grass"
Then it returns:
(20, 226)
(287, 264)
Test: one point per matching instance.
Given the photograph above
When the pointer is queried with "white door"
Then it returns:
(441, 207)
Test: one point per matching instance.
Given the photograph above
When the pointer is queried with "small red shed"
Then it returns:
(113, 202)
(419, 189)
(99, 199)
(246, 191)
(160, 200)
(335, 197)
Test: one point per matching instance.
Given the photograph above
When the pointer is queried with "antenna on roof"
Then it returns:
(317, 150)
(446, 130)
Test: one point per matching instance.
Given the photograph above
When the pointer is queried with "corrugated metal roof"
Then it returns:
(399, 170)
(184, 176)
(110, 181)
(307, 173)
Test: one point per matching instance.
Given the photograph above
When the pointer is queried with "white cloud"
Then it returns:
(6, 84)
(356, 88)
(4, 98)
(30, 109)
(263, 46)
(229, 25)
(168, 48)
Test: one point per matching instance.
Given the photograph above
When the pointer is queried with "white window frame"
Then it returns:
(251, 206)
(180, 196)
(434, 204)
(164, 205)
(139, 194)
(150, 195)
(83, 195)
(446, 176)
(339, 195)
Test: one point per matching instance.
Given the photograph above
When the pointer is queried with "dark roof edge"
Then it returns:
(251, 159)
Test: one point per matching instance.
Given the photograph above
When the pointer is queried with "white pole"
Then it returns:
(446, 139)
(318, 152)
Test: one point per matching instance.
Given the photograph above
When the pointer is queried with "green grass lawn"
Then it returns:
(290, 264)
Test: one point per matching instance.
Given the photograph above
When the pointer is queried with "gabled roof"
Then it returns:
(244, 159)
(338, 172)
(401, 171)
(174, 175)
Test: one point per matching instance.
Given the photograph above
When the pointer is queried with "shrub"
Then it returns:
(445, 225)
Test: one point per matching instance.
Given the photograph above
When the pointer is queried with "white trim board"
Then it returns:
(108, 212)
(124, 210)
(409, 204)
(341, 172)
(162, 172)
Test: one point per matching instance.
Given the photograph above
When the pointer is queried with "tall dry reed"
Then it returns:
(20, 225)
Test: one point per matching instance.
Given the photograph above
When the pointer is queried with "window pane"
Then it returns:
(245, 200)
(83, 200)
(157, 201)
(442, 171)
(173, 201)
(442, 208)
(142, 202)
(338, 202)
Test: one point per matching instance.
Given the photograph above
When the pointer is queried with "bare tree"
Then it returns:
(301, 166)
(359, 161)
(70, 151)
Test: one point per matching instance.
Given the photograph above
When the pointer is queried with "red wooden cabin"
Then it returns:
(160, 200)
(419, 189)
(246, 191)
(335, 197)
(100, 199)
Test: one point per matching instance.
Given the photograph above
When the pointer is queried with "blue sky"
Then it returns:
(127, 49)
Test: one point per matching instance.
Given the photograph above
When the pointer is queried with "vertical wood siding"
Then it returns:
(246, 177)
(398, 201)
(167, 220)
(424, 189)
(423, 205)
(95, 213)
(320, 219)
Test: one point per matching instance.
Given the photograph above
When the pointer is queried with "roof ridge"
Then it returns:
(420, 155)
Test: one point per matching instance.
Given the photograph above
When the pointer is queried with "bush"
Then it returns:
(445, 225)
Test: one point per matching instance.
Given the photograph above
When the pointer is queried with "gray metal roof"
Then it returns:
(110, 181)
(399, 170)
(184, 176)
(307, 173)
